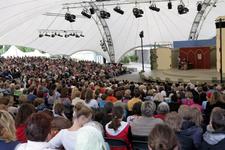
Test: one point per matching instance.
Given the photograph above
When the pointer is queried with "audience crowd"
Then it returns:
(48, 104)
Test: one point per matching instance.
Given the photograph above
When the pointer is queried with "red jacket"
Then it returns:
(121, 133)
(20, 133)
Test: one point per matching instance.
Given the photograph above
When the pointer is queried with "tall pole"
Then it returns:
(142, 51)
(221, 63)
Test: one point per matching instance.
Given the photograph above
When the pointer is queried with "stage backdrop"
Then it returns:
(199, 57)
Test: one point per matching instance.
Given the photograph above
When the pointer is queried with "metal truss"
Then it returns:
(200, 17)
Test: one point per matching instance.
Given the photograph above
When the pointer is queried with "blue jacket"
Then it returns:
(8, 146)
(192, 131)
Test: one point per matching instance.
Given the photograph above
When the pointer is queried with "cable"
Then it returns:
(54, 19)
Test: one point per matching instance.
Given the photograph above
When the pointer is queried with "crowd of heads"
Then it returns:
(41, 97)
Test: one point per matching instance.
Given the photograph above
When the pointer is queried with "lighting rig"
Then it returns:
(60, 33)
(137, 12)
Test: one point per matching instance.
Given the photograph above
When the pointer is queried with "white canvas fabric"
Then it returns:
(21, 20)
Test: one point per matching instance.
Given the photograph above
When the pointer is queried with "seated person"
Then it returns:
(38, 128)
(162, 109)
(143, 125)
(163, 137)
(117, 128)
(7, 131)
(90, 138)
(214, 137)
(65, 137)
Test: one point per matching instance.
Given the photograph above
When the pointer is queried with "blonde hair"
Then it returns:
(7, 124)
(185, 112)
(196, 116)
(174, 121)
(75, 93)
(191, 114)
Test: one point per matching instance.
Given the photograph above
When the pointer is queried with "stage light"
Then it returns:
(154, 8)
(199, 6)
(138, 12)
(92, 10)
(46, 34)
(59, 35)
(53, 35)
(104, 14)
(77, 36)
(86, 14)
(118, 10)
(81, 35)
(40, 35)
(182, 9)
(169, 5)
(70, 17)
(72, 34)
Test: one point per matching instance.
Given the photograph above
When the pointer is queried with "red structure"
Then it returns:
(198, 57)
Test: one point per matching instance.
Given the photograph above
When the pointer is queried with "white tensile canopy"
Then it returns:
(21, 20)
(13, 52)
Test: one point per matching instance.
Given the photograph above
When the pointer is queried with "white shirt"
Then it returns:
(31, 145)
(64, 137)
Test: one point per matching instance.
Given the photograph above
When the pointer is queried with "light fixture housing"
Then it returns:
(118, 10)
(70, 17)
(138, 12)
(86, 14)
(154, 8)
(199, 6)
(92, 10)
(104, 14)
(169, 5)
(182, 9)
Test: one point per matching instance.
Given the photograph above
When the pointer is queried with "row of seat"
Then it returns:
(138, 143)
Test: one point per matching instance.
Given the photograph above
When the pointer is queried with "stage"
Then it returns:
(175, 75)
(192, 75)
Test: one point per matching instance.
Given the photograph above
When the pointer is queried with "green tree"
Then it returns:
(133, 58)
(25, 49)
(125, 60)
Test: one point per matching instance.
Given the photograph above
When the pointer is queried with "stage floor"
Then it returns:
(192, 75)
(175, 75)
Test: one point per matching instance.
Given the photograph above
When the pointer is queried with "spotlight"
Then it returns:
(182, 9)
(141, 34)
(53, 35)
(154, 8)
(66, 36)
(104, 14)
(70, 17)
(77, 36)
(72, 34)
(138, 12)
(46, 34)
(40, 35)
(81, 35)
(118, 10)
(169, 5)
(92, 10)
(84, 13)
(199, 6)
